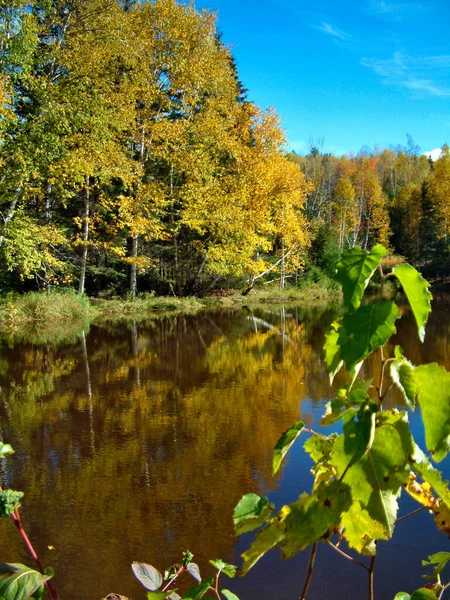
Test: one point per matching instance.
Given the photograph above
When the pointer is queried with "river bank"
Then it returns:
(60, 314)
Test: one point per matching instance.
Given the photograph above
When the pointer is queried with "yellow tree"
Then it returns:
(439, 192)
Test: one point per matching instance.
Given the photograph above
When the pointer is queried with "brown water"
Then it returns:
(136, 441)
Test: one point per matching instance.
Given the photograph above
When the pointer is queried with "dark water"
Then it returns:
(136, 441)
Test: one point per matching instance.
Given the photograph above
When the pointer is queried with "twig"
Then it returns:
(310, 572)
(411, 514)
(347, 556)
(167, 586)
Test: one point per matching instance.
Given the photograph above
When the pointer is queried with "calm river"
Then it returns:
(134, 441)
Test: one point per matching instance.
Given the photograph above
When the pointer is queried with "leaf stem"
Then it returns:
(309, 574)
(371, 570)
(411, 514)
(347, 556)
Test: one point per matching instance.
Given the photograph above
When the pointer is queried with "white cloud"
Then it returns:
(397, 10)
(426, 75)
(433, 154)
(333, 31)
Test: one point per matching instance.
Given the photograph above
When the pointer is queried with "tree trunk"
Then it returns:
(7, 218)
(85, 237)
(133, 268)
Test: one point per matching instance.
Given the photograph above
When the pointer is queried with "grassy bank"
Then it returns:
(38, 317)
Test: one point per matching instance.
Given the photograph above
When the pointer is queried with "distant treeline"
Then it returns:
(132, 160)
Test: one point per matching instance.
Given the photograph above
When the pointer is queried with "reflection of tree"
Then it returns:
(136, 443)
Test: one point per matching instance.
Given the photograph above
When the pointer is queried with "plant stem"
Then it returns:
(177, 574)
(309, 574)
(411, 514)
(371, 586)
(32, 552)
(441, 595)
(347, 556)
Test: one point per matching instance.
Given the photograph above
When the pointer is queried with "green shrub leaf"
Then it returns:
(417, 291)
(18, 582)
(433, 394)
(9, 501)
(198, 591)
(223, 567)
(251, 512)
(424, 594)
(355, 270)
(284, 444)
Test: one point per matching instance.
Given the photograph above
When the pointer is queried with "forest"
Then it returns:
(132, 161)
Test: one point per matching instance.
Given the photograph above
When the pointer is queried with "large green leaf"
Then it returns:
(433, 394)
(251, 512)
(355, 270)
(302, 523)
(265, 540)
(377, 477)
(313, 516)
(364, 331)
(158, 595)
(360, 440)
(333, 360)
(417, 291)
(18, 582)
(360, 530)
(284, 444)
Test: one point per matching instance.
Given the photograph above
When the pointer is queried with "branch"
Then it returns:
(347, 556)
(310, 572)
(274, 265)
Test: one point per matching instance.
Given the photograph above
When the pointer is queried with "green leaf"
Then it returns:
(251, 512)
(18, 582)
(265, 540)
(319, 447)
(376, 478)
(360, 530)
(423, 594)
(364, 331)
(355, 270)
(284, 444)
(313, 516)
(402, 596)
(433, 394)
(402, 374)
(194, 571)
(229, 595)
(150, 577)
(9, 501)
(223, 567)
(157, 595)
(5, 449)
(361, 433)
(198, 591)
(333, 360)
(440, 559)
(417, 291)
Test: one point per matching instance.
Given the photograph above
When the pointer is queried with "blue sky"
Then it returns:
(351, 72)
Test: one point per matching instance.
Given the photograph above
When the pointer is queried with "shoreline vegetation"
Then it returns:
(63, 314)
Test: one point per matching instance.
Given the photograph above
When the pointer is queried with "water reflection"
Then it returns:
(136, 441)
